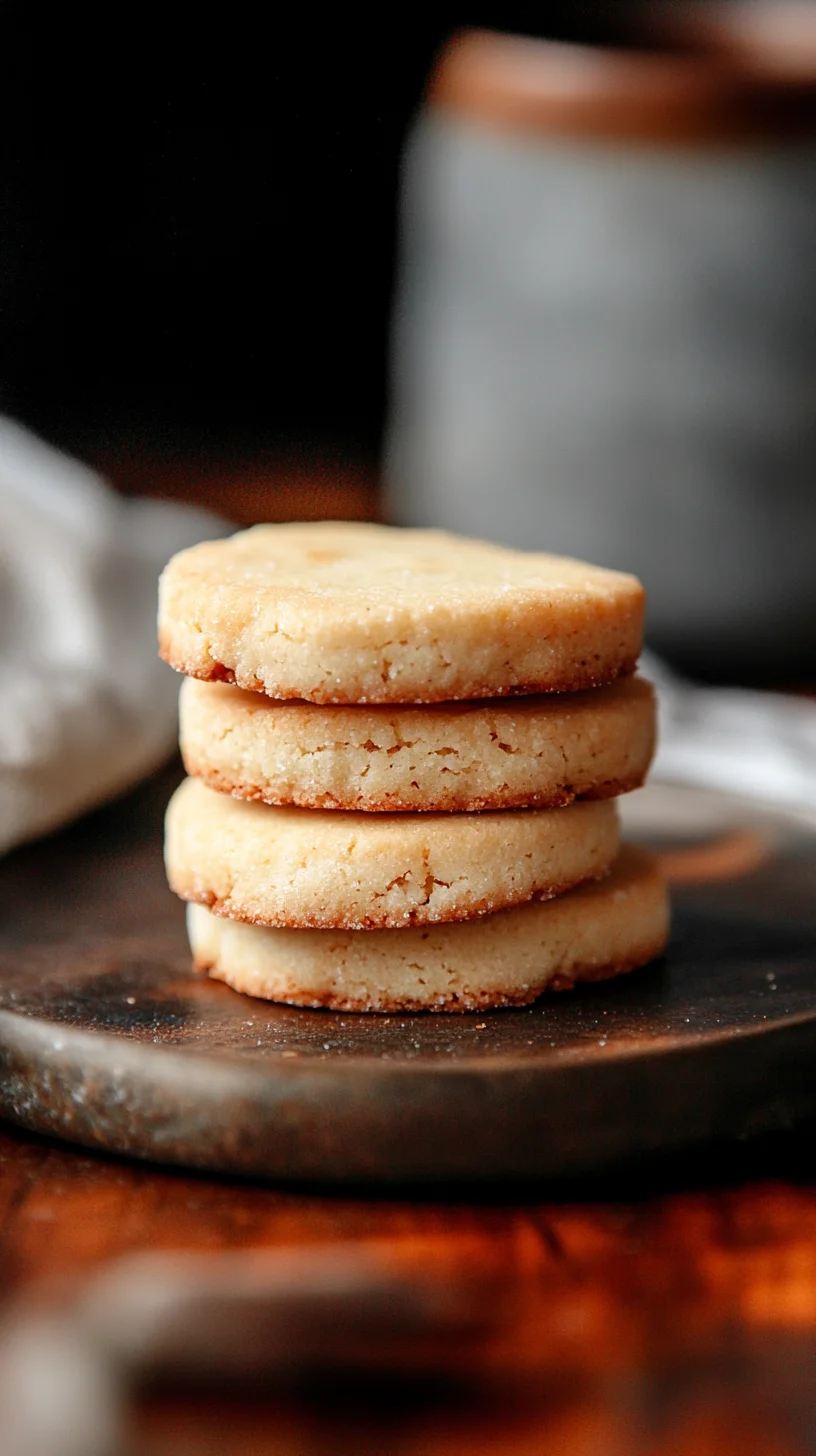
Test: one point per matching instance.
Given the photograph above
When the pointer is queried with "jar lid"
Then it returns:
(691, 76)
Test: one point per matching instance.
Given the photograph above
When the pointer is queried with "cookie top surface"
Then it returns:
(506, 753)
(336, 612)
(304, 868)
(593, 932)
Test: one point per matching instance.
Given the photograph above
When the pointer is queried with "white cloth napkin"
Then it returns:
(754, 743)
(86, 707)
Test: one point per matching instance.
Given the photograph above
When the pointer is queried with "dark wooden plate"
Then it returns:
(108, 1039)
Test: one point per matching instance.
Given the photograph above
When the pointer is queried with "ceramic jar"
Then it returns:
(605, 331)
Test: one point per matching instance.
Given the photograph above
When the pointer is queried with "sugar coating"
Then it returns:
(508, 958)
(332, 869)
(542, 751)
(337, 612)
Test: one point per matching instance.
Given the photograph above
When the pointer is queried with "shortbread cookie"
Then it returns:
(323, 868)
(333, 612)
(505, 959)
(529, 752)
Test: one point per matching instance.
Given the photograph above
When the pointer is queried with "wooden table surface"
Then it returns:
(674, 1313)
(683, 1310)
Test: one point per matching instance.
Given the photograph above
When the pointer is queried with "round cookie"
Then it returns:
(539, 752)
(337, 612)
(324, 868)
(506, 959)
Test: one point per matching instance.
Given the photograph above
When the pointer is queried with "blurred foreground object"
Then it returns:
(349, 1347)
(86, 708)
(605, 337)
(70, 1369)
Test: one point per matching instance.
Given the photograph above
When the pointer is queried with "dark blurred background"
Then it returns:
(198, 223)
(198, 253)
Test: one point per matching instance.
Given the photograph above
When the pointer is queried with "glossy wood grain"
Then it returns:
(684, 1313)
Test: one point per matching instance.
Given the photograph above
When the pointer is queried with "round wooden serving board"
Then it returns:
(108, 1039)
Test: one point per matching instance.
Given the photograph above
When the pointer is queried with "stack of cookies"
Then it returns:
(404, 750)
